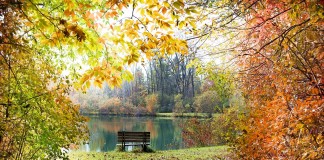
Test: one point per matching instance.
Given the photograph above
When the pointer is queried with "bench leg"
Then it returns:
(144, 147)
(123, 147)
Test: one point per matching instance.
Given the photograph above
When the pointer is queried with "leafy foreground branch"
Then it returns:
(38, 38)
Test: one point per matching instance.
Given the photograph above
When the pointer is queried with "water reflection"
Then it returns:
(165, 132)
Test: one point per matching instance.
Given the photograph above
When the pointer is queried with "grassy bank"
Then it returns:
(217, 152)
(188, 115)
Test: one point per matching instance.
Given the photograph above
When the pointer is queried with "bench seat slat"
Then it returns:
(132, 132)
(137, 144)
(134, 135)
(137, 139)
(134, 140)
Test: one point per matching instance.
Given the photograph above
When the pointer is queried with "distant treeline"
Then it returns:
(164, 85)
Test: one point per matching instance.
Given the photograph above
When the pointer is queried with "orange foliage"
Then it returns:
(283, 68)
(111, 105)
(151, 103)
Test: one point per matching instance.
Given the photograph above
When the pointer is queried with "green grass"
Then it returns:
(217, 152)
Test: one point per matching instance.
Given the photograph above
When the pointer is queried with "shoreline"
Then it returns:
(177, 115)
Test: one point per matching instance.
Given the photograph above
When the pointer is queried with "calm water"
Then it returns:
(165, 132)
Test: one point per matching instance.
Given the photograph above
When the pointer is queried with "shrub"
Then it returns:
(223, 129)
(197, 133)
(227, 127)
(151, 103)
(111, 106)
(178, 107)
(140, 111)
(208, 102)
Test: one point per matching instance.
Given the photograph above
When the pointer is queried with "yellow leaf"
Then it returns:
(165, 25)
(166, 4)
(142, 11)
(98, 83)
(87, 85)
(182, 24)
(193, 24)
(151, 45)
(187, 11)
(149, 54)
(176, 5)
(127, 76)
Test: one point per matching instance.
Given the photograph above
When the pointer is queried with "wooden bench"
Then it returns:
(133, 139)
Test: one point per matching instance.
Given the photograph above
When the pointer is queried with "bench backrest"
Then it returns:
(134, 137)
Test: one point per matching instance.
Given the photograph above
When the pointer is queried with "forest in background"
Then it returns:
(164, 85)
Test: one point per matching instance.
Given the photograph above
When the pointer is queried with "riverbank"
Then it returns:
(189, 115)
(185, 115)
(216, 152)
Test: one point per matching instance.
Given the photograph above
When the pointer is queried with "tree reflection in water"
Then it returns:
(165, 132)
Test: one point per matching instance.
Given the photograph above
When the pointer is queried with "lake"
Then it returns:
(165, 132)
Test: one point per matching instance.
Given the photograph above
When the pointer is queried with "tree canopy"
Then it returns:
(278, 49)
(39, 40)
